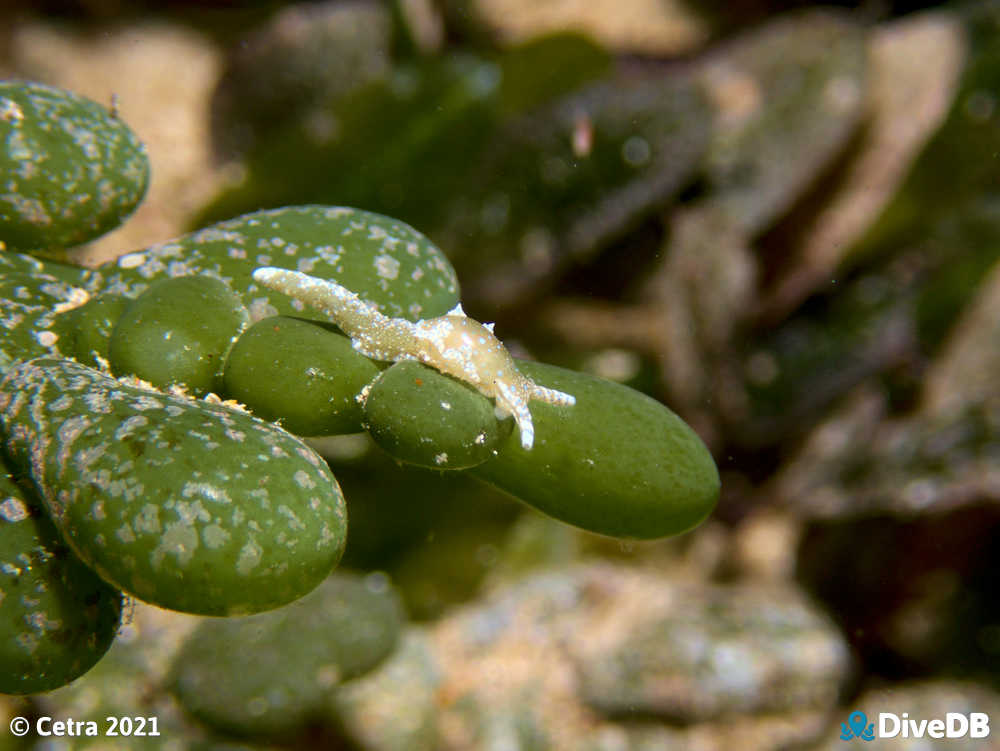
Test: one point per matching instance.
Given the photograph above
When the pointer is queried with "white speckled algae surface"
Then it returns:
(70, 170)
(188, 504)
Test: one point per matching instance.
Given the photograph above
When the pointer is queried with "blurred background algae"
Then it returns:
(777, 219)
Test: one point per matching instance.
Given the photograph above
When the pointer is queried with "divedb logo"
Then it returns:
(890, 725)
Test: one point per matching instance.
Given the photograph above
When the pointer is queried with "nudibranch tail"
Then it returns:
(373, 333)
(349, 311)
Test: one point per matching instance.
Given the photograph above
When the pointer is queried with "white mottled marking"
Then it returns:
(13, 509)
(303, 480)
(47, 338)
(249, 557)
(386, 267)
(206, 491)
(131, 260)
(180, 540)
(214, 536)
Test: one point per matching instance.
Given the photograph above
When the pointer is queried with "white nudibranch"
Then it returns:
(454, 344)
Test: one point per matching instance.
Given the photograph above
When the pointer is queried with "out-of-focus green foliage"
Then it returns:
(544, 151)
(343, 629)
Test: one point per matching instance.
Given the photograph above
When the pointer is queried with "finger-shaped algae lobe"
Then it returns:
(300, 372)
(72, 170)
(343, 629)
(384, 260)
(618, 463)
(159, 340)
(426, 418)
(57, 618)
(190, 505)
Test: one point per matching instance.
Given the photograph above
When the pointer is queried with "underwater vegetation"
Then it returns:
(500, 389)
(150, 406)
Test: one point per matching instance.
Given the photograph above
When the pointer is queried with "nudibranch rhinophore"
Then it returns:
(454, 344)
